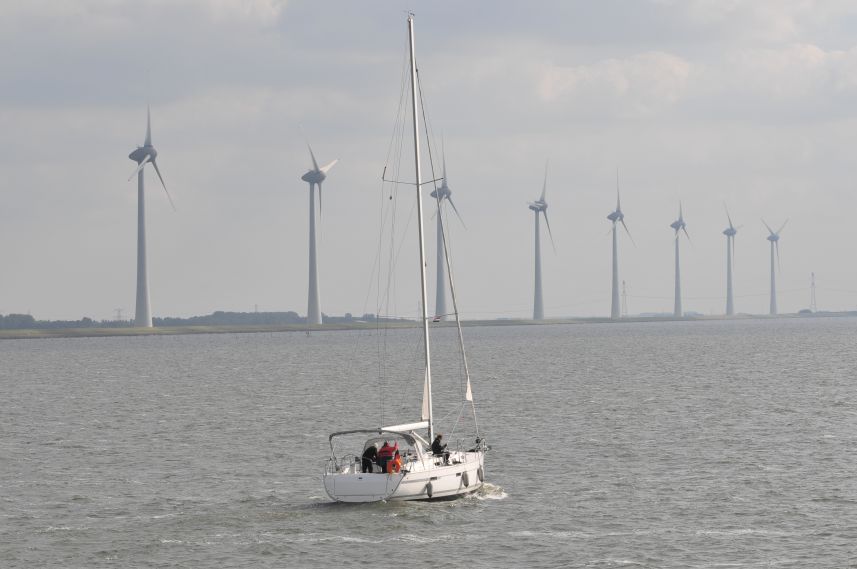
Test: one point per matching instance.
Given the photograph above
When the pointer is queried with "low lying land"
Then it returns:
(95, 332)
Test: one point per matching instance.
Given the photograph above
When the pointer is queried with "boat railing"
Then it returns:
(336, 465)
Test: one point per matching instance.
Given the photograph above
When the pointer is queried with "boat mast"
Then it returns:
(420, 225)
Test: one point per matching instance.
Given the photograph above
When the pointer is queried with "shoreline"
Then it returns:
(44, 333)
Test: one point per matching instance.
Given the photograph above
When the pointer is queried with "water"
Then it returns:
(677, 444)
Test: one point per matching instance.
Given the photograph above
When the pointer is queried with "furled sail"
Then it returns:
(425, 411)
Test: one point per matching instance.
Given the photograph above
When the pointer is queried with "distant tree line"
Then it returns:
(219, 318)
(26, 321)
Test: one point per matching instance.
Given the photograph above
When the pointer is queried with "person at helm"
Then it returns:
(438, 447)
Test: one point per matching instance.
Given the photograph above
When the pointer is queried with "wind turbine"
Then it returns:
(143, 155)
(442, 194)
(729, 232)
(540, 206)
(616, 217)
(315, 177)
(774, 238)
(678, 225)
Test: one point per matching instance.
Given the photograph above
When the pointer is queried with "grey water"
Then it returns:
(673, 444)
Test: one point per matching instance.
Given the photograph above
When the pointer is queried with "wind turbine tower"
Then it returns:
(678, 225)
(616, 217)
(774, 238)
(441, 195)
(314, 177)
(729, 232)
(540, 206)
(143, 155)
(812, 305)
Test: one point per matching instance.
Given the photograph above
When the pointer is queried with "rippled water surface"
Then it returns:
(675, 444)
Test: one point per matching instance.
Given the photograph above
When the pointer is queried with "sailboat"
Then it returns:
(397, 462)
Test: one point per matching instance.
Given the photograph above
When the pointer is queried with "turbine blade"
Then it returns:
(779, 266)
(686, 233)
(314, 163)
(169, 197)
(139, 167)
(319, 200)
(727, 215)
(148, 127)
(782, 226)
(680, 216)
(545, 185)
(455, 209)
(311, 155)
(329, 166)
(443, 153)
(550, 233)
(628, 232)
(769, 227)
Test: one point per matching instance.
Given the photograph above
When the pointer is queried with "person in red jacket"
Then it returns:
(385, 454)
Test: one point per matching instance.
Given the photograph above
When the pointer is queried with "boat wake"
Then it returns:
(490, 492)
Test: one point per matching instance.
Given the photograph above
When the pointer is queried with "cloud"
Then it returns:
(636, 86)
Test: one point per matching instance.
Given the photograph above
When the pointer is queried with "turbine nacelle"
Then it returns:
(774, 236)
(142, 152)
(442, 193)
(730, 231)
(314, 176)
(616, 216)
(679, 224)
(538, 205)
(146, 154)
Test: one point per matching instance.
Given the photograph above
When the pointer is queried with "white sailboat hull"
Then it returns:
(420, 479)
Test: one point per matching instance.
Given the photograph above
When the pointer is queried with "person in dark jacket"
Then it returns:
(438, 447)
(370, 455)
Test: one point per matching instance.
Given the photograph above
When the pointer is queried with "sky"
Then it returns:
(707, 102)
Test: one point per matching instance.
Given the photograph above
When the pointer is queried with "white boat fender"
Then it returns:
(465, 479)
(429, 489)
(480, 474)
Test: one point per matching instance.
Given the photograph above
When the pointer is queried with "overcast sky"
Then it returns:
(752, 103)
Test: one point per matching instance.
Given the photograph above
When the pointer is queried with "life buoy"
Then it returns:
(394, 466)
(465, 479)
